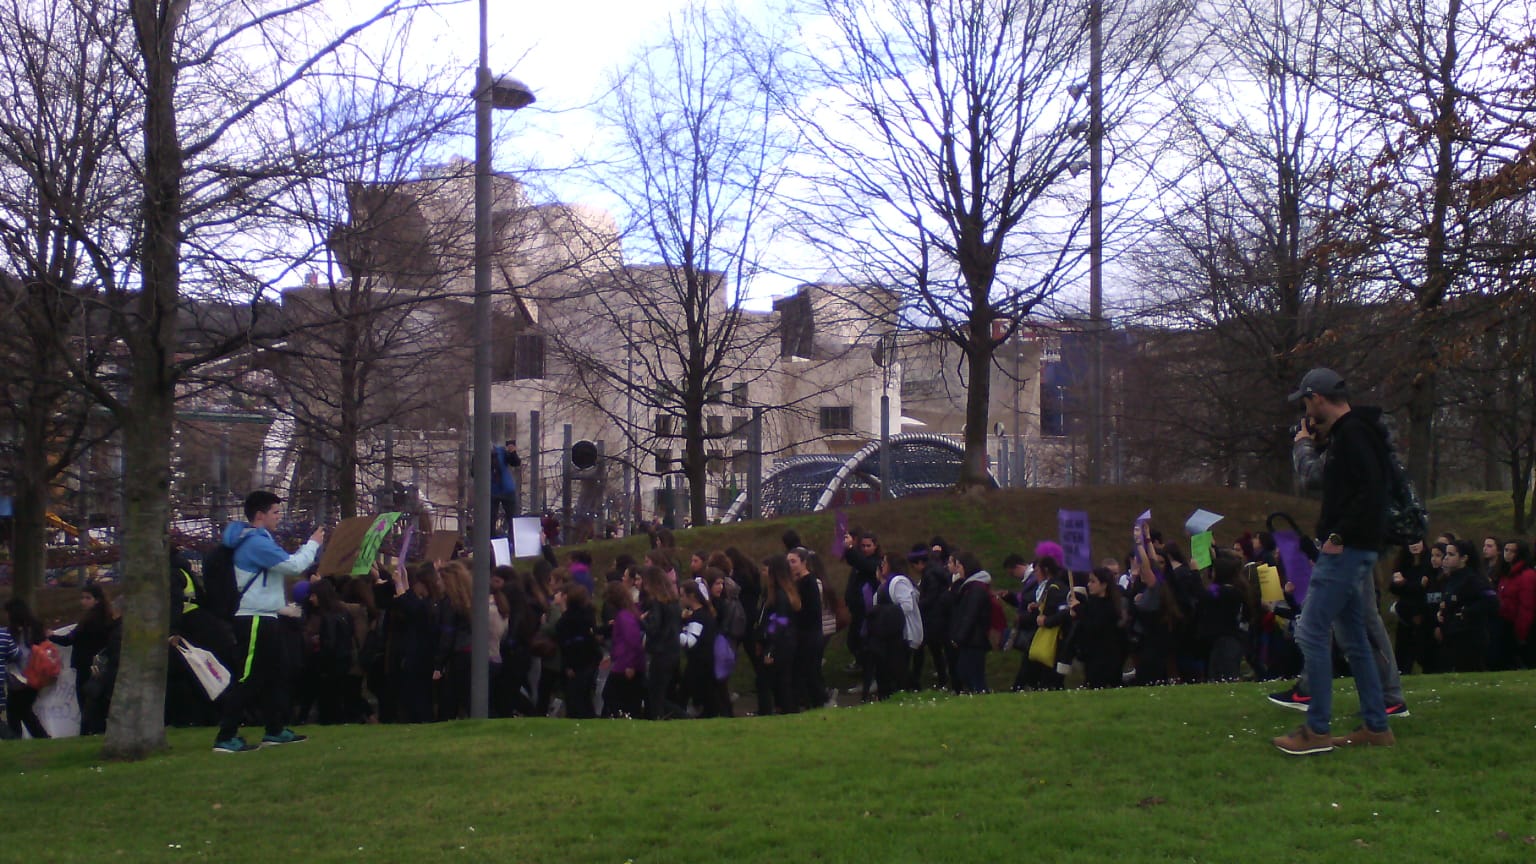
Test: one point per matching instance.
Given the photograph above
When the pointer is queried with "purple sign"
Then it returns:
(1075, 547)
(1295, 566)
(839, 531)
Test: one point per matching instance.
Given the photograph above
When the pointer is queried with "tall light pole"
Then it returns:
(1096, 242)
(508, 94)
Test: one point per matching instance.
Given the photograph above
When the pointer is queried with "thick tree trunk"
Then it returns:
(974, 472)
(29, 540)
(695, 464)
(136, 727)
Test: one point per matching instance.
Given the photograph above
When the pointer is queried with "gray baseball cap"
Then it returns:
(1320, 382)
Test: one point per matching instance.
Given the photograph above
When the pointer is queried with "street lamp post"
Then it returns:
(508, 94)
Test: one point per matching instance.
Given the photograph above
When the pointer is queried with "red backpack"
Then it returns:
(43, 665)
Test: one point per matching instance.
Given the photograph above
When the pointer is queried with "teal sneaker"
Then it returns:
(287, 736)
(233, 745)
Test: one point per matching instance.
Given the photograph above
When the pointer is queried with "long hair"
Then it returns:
(25, 628)
(325, 596)
(102, 613)
(657, 585)
(458, 587)
(743, 570)
(616, 598)
(780, 582)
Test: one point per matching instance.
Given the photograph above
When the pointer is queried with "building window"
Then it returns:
(715, 463)
(664, 425)
(741, 462)
(663, 461)
(836, 418)
(1053, 411)
(715, 424)
(713, 391)
(527, 356)
(797, 330)
(739, 424)
(739, 395)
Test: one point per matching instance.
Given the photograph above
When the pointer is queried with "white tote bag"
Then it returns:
(209, 671)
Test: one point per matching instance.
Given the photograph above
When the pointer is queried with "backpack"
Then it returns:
(1407, 518)
(221, 596)
(43, 665)
(725, 657)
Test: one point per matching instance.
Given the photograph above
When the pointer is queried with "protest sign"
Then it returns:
(1200, 549)
(1294, 562)
(527, 539)
(441, 546)
(501, 552)
(342, 546)
(404, 555)
(368, 548)
(1075, 547)
(839, 531)
(1201, 521)
(1270, 588)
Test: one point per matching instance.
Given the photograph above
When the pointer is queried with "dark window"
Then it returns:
(836, 419)
(527, 356)
(741, 462)
(663, 461)
(713, 391)
(664, 425)
(716, 424)
(739, 395)
(715, 463)
(1053, 411)
(797, 330)
(739, 426)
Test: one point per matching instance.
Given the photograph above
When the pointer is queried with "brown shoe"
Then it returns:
(1302, 741)
(1364, 737)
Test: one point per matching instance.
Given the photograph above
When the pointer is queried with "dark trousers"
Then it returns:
(659, 673)
(1408, 648)
(19, 713)
(940, 651)
(624, 697)
(971, 669)
(580, 682)
(775, 682)
(809, 689)
(505, 503)
(893, 665)
(260, 678)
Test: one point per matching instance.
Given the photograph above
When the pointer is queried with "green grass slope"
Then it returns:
(1158, 774)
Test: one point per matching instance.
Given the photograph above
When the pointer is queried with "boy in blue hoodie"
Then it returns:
(261, 565)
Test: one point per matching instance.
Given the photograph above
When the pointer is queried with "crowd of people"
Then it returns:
(661, 637)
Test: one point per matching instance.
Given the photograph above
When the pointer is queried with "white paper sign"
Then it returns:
(501, 553)
(1201, 521)
(527, 537)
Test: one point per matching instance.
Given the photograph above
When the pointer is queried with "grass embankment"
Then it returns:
(1159, 774)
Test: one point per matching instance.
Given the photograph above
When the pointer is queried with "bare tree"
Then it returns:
(1426, 88)
(64, 202)
(696, 159)
(945, 130)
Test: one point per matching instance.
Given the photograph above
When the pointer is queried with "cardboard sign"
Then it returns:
(527, 539)
(341, 548)
(441, 546)
(368, 550)
(1201, 521)
(1270, 588)
(1200, 550)
(1075, 547)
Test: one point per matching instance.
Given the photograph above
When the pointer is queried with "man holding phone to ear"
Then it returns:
(1355, 483)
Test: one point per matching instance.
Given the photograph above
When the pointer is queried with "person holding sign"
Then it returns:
(1353, 524)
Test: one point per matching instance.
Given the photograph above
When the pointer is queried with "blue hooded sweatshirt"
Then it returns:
(260, 557)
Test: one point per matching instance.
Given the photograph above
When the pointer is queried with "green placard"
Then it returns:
(1200, 549)
(368, 550)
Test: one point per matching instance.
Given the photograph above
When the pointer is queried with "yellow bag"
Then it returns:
(1042, 649)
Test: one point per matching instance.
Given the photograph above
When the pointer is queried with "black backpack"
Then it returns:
(221, 596)
(1407, 518)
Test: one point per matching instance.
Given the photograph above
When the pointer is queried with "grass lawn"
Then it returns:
(1162, 774)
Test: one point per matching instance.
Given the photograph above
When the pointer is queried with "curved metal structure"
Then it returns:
(921, 463)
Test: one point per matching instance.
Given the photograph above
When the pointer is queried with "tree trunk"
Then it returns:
(695, 465)
(974, 472)
(29, 540)
(136, 725)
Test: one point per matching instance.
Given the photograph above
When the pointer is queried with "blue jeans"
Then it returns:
(1340, 591)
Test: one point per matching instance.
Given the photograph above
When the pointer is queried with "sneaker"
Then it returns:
(1399, 709)
(287, 736)
(233, 745)
(1363, 737)
(1291, 699)
(1302, 741)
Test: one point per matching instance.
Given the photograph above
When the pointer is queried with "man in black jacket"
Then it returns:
(1356, 478)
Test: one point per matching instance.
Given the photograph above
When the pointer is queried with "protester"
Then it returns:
(97, 640)
(775, 640)
(1099, 638)
(624, 692)
(662, 620)
(970, 623)
(22, 635)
